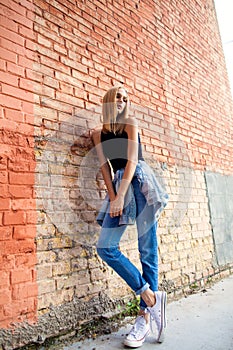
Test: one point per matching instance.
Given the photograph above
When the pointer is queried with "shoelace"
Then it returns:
(138, 326)
(156, 318)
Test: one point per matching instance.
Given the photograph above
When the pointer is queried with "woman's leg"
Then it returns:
(108, 250)
(148, 249)
(148, 246)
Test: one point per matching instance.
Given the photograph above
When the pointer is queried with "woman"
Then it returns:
(133, 194)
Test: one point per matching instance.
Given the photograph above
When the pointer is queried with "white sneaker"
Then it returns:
(158, 314)
(138, 333)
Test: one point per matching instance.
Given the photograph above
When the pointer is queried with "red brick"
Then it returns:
(5, 204)
(21, 275)
(20, 191)
(16, 116)
(7, 55)
(5, 280)
(7, 261)
(29, 259)
(13, 47)
(21, 178)
(72, 100)
(6, 322)
(44, 41)
(33, 75)
(26, 32)
(10, 35)
(28, 107)
(19, 307)
(7, 23)
(8, 101)
(25, 129)
(25, 62)
(60, 49)
(3, 158)
(24, 290)
(17, 18)
(32, 217)
(3, 177)
(5, 233)
(17, 218)
(51, 59)
(16, 92)
(26, 246)
(31, 14)
(23, 232)
(9, 78)
(5, 296)
(4, 191)
(1, 113)
(16, 7)
(2, 316)
(23, 204)
(15, 69)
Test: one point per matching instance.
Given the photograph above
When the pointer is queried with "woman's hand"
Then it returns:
(116, 206)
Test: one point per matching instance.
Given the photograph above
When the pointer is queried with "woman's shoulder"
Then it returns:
(131, 122)
(131, 126)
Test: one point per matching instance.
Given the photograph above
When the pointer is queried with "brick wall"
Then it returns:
(18, 287)
(57, 59)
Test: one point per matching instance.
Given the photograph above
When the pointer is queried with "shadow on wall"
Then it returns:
(70, 186)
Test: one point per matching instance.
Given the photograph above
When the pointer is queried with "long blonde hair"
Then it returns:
(109, 110)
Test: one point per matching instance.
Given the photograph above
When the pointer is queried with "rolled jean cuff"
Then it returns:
(141, 290)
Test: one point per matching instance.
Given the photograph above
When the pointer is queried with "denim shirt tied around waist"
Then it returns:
(153, 191)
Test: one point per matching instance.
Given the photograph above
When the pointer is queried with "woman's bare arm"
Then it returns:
(104, 165)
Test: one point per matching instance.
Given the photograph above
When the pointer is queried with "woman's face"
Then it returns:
(121, 99)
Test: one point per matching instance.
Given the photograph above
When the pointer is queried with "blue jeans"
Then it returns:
(108, 247)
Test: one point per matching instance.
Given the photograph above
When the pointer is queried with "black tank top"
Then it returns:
(115, 148)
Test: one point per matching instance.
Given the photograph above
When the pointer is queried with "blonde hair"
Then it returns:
(109, 110)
